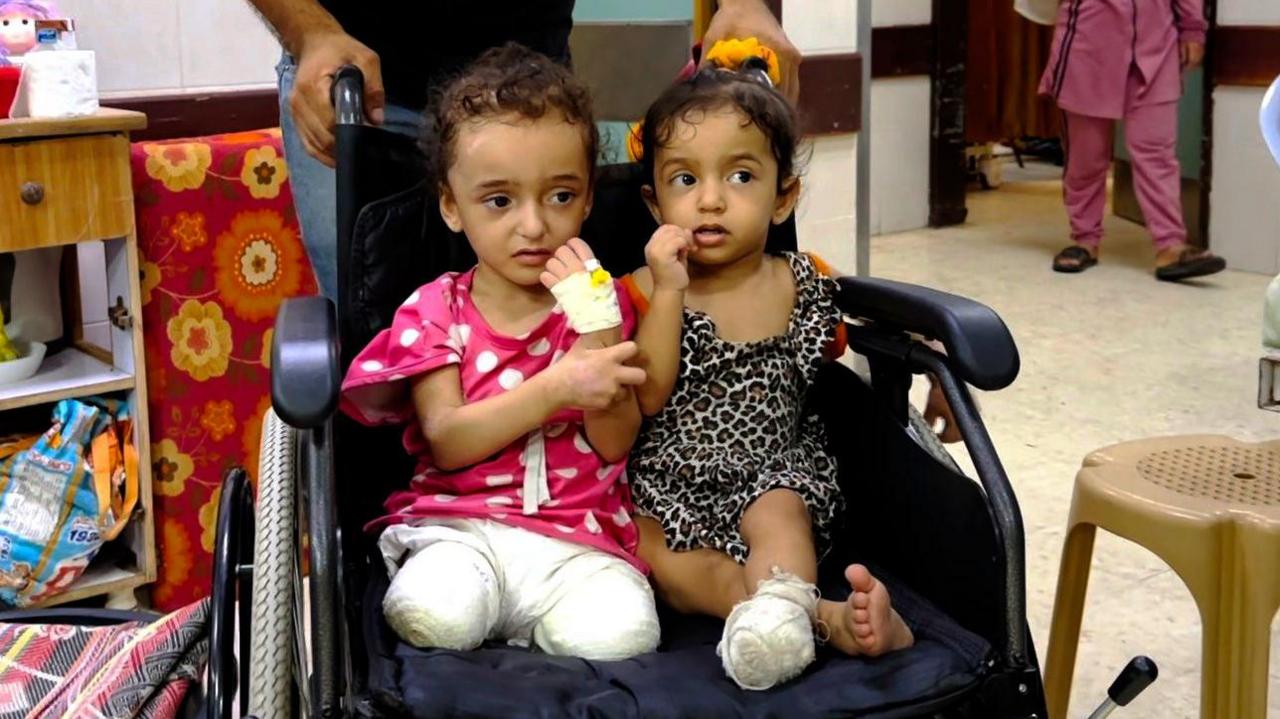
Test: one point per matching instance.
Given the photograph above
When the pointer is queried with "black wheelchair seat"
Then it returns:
(683, 679)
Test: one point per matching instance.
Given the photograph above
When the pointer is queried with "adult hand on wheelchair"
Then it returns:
(667, 256)
(320, 56)
(594, 379)
(750, 18)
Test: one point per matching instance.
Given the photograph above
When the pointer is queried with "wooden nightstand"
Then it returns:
(64, 182)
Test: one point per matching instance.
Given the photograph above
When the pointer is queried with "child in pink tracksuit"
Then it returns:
(1123, 59)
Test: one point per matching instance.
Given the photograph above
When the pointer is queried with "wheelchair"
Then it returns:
(949, 548)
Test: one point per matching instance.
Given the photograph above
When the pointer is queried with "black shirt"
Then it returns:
(424, 42)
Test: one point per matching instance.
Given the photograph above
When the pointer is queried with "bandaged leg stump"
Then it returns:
(445, 596)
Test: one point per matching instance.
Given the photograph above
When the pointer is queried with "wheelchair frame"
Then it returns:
(305, 381)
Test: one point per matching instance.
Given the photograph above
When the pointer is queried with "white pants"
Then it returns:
(458, 582)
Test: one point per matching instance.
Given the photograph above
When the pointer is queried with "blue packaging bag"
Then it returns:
(50, 509)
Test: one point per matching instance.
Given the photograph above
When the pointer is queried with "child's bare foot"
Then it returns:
(866, 624)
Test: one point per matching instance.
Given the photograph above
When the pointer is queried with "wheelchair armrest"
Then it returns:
(979, 346)
(305, 375)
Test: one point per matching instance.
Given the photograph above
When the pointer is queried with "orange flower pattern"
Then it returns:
(208, 341)
(209, 520)
(250, 137)
(264, 172)
(170, 468)
(257, 264)
(177, 557)
(188, 230)
(201, 340)
(178, 166)
(265, 355)
(218, 419)
(151, 277)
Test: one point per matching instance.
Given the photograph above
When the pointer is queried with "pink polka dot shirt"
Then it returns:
(550, 482)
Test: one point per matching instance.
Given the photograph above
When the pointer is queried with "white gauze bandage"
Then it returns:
(769, 639)
(589, 299)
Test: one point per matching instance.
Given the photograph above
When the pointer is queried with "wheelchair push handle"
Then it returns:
(347, 95)
(1136, 677)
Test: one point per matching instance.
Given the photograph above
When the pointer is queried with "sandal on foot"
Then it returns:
(1073, 259)
(1191, 263)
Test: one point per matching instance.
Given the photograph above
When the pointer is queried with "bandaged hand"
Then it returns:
(583, 288)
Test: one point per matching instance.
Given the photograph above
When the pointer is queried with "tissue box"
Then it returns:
(59, 83)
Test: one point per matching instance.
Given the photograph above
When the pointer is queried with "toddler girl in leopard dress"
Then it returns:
(735, 490)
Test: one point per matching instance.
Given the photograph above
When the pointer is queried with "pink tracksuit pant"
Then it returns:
(1150, 133)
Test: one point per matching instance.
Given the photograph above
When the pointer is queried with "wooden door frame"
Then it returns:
(948, 177)
(1206, 132)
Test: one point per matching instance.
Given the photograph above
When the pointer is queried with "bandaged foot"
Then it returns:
(589, 299)
(446, 596)
(768, 639)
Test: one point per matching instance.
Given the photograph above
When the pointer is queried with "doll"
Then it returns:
(18, 24)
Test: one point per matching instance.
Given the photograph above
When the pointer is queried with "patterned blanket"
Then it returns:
(134, 669)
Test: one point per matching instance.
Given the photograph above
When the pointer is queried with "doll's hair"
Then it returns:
(505, 81)
(712, 89)
(42, 10)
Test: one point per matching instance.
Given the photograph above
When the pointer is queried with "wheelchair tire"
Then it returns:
(273, 635)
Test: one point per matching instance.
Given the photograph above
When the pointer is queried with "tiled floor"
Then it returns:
(1107, 356)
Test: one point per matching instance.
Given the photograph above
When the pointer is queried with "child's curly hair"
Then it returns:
(713, 89)
(510, 80)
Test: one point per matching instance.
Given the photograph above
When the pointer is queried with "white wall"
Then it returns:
(1248, 12)
(825, 216)
(821, 26)
(168, 46)
(885, 13)
(1244, 219)
(900, 133)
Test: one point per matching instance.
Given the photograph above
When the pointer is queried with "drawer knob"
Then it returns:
(32, 193)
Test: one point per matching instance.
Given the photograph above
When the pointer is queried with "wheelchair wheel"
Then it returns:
(273, 635)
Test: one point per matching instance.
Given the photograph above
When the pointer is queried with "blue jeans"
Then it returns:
(314, 193)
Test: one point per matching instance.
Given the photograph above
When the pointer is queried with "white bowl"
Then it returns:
(30, 355)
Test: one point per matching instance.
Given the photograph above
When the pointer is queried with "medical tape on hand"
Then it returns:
(589, 299)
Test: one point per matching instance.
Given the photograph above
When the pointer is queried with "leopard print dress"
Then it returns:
(735, 428)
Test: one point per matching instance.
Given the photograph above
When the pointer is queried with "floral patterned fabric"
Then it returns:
(220, 249)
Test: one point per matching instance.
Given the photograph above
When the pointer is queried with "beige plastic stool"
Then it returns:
(1209, 506)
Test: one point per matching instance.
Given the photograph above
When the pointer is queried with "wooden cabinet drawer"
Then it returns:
(63, 190)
